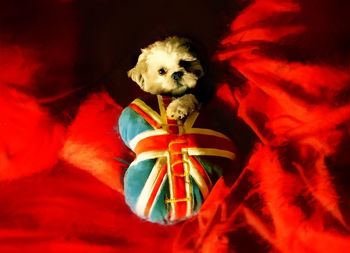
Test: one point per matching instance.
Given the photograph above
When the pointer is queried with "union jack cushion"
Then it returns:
(173, 171)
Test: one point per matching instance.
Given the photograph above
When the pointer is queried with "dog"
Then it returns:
(169, 67)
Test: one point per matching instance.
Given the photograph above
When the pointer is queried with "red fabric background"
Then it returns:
(61, 183)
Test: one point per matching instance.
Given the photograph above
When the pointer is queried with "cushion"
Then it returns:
(176, 163)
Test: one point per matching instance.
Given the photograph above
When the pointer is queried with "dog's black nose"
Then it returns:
(177, 75)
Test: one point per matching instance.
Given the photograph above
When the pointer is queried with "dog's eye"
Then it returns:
(161, 71)
(185, 64)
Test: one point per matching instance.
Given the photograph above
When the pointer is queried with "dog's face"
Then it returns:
(167, 67)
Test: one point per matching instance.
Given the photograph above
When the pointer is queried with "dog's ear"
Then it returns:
(196, 68)
(137, 72)
(136, 76)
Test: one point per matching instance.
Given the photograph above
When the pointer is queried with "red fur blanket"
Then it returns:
(61, 176)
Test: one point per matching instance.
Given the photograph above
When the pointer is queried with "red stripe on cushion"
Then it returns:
(173, 127)
(145, 116)
(201, 171)
(161, 142)
(155, 189)
(178, 179)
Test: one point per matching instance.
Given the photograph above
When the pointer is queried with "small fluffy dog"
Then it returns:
(169, 67)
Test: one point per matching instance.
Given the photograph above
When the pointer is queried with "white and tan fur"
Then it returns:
(169, 68)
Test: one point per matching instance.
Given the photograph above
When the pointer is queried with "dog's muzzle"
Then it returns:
(177, 75)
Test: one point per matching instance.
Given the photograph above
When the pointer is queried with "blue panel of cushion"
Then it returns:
(131, 124)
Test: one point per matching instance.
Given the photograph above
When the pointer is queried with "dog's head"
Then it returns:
(167, 67)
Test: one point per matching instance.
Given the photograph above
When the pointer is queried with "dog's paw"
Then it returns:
(182, 107)
(177, 110)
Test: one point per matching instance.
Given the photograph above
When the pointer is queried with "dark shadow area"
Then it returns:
(113, 32)
(91, 44)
